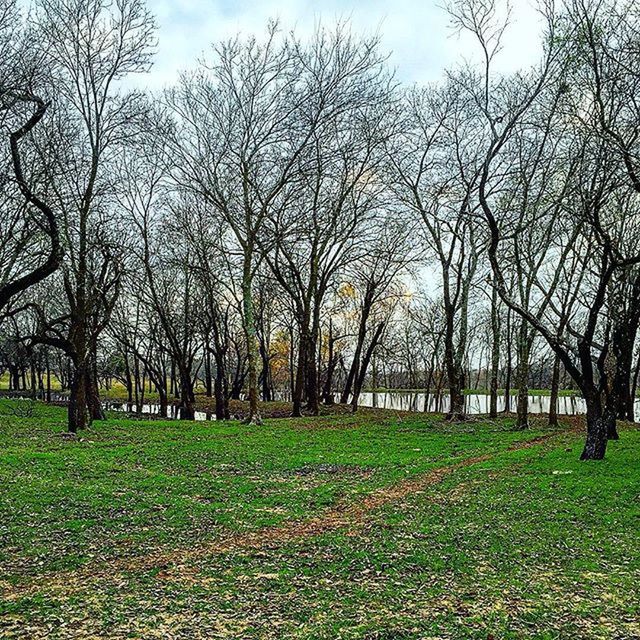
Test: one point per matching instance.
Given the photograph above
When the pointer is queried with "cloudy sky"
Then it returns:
(416, 33)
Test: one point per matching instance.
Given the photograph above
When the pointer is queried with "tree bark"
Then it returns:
(555, 388)
(522, 376)
(252, 347)
(495, 355)
(455, 374)
(298, 386)
(596, 442)
(365, 364)
(78, 415)
(94, 404)
(327, 391)
(312, 376)
(187, 397)
(220, 389)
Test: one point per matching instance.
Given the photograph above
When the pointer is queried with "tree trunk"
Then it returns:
(34, 383)
(365, 364)
(455, 375)
(362, 333)
(127, 379)
(555, 388)
(220, 391)
(48, 392)
(327, 393)
(78, 414)
(612, 428)
(596, 443)
(298, 387)
(220, 384)
(187, 397)
(236, 385)
(208, 380)
(495, 355)
(623, 339)
(631, 413)
(136, 384)
(14, 378)
(163, 401)
(312, 375)
(265, 375)
(507, 381)
(93, 395)
(522, 376)
(252, 347)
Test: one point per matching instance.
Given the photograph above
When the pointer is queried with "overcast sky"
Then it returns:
(415, 32)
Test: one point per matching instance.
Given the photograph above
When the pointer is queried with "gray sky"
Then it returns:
(415, 32)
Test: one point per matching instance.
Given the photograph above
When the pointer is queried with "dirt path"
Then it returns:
(174, 563)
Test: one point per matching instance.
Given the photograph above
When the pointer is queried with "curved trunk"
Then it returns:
(348, 386)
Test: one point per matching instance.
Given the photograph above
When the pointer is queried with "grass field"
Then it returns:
(374, 526)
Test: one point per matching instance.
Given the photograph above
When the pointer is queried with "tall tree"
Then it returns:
(89, 47)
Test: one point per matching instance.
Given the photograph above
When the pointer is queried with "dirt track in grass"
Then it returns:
(174, 564)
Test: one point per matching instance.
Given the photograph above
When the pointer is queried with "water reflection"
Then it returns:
(173, 411)
(475, 403)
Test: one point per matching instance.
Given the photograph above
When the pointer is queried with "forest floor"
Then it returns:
(371, 526)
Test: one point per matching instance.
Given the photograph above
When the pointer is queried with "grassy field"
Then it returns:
(374, 526)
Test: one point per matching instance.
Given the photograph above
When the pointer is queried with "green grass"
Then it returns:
(528, 544)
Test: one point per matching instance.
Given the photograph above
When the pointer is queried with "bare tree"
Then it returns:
(246, 121)
(436, 176)
(89, 46)
(593, 221)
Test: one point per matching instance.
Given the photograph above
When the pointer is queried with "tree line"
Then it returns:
(289, 217)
